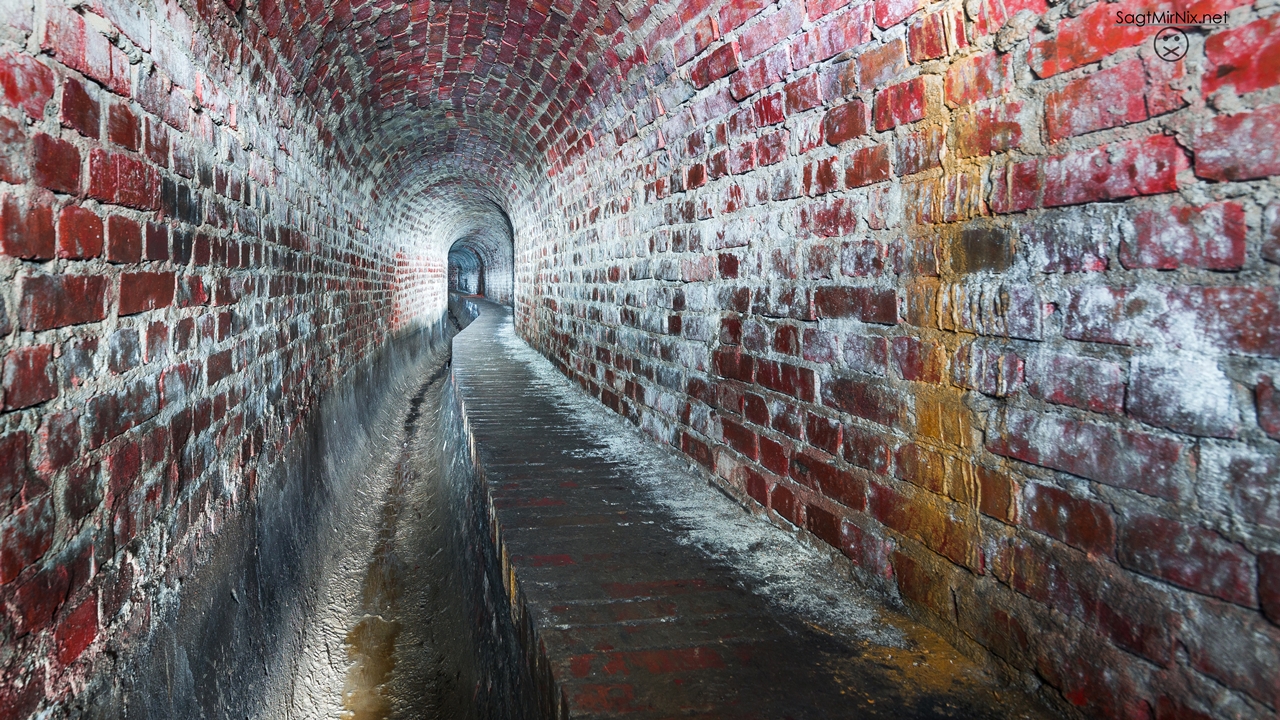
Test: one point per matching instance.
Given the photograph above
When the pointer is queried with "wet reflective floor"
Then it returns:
(579, 570)
(413, 621)
(652, 595)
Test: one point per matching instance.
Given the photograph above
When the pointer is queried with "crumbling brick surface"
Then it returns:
(989, 283)
(1002, 299)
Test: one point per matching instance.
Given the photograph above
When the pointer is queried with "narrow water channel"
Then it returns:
(416, 624)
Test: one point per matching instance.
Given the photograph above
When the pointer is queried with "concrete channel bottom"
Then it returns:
(643, 592)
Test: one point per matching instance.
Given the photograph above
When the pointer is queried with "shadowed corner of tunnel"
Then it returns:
(979, 300)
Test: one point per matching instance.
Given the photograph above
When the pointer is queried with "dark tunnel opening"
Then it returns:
(466, 270)
(980, 298)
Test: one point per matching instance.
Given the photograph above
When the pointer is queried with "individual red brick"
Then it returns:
(899, 104)
(26, 229)
(26, 83)
(978, 77)
(1210, 236)
(1222, 642)
(1242, 57)
(769, 110)
(823, 433)
(695, 176)
(921, 467)
(845, 122)
(1082, 382)
(25, 535)
(56, 164)
(774, 456)
(123, 127)
(826, 478)
(77, 631)
(832, 37)
(28, 377)
(823, 524)
(124, 180)
(927, 37)
(721, 62)
(734, 365)
(1095, 34)
(866, 449)
(867, 166)
(816, 9)
(996, 494)
(80, 110)
(14, 149)
(991, 15)
(1240, 146)
(866, 304)
(1122, 458)
(987, 370)
(740, 438)
(892, 12)
(759, 74)
(918, 583)
(113, 412)
(143, 291)
(803, 94)
(1268, 406)
(770, 31)
(1271, 233)
(1186, 394)
(124, 466)
(1188, 556)
(875, 67)
(54, 301)
(58, 442)
(1136, 167)
(917, 360)
(79, 233)
(1235, 319)
(1105, 99)
(868, 400)
(733, 15)
(772, 148)
(783, 501)
(1269, 585)
(820, 177)
(1243, 320)
(124, 240)
(919, 151)
(14, 457)
(866, 354)
(156, 145)
(788, 379)
(1016, 187)
(1078, 522)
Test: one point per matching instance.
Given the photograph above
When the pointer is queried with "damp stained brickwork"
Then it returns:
(981, 293)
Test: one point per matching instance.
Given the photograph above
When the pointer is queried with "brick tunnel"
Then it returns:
(645, 358)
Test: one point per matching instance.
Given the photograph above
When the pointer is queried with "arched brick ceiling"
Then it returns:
(504, 86)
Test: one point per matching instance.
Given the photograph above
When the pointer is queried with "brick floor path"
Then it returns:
(637, 616)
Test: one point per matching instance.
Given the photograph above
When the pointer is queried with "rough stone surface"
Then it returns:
(766, 233)
(650, 594)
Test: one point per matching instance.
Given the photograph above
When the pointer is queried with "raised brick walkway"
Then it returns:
(654, 596)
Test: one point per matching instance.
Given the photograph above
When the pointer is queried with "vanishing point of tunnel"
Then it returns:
(506, 359)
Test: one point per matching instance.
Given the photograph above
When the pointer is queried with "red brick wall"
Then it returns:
(182, 274)
(982, 294)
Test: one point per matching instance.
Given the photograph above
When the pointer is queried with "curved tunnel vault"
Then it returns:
(903, 275)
